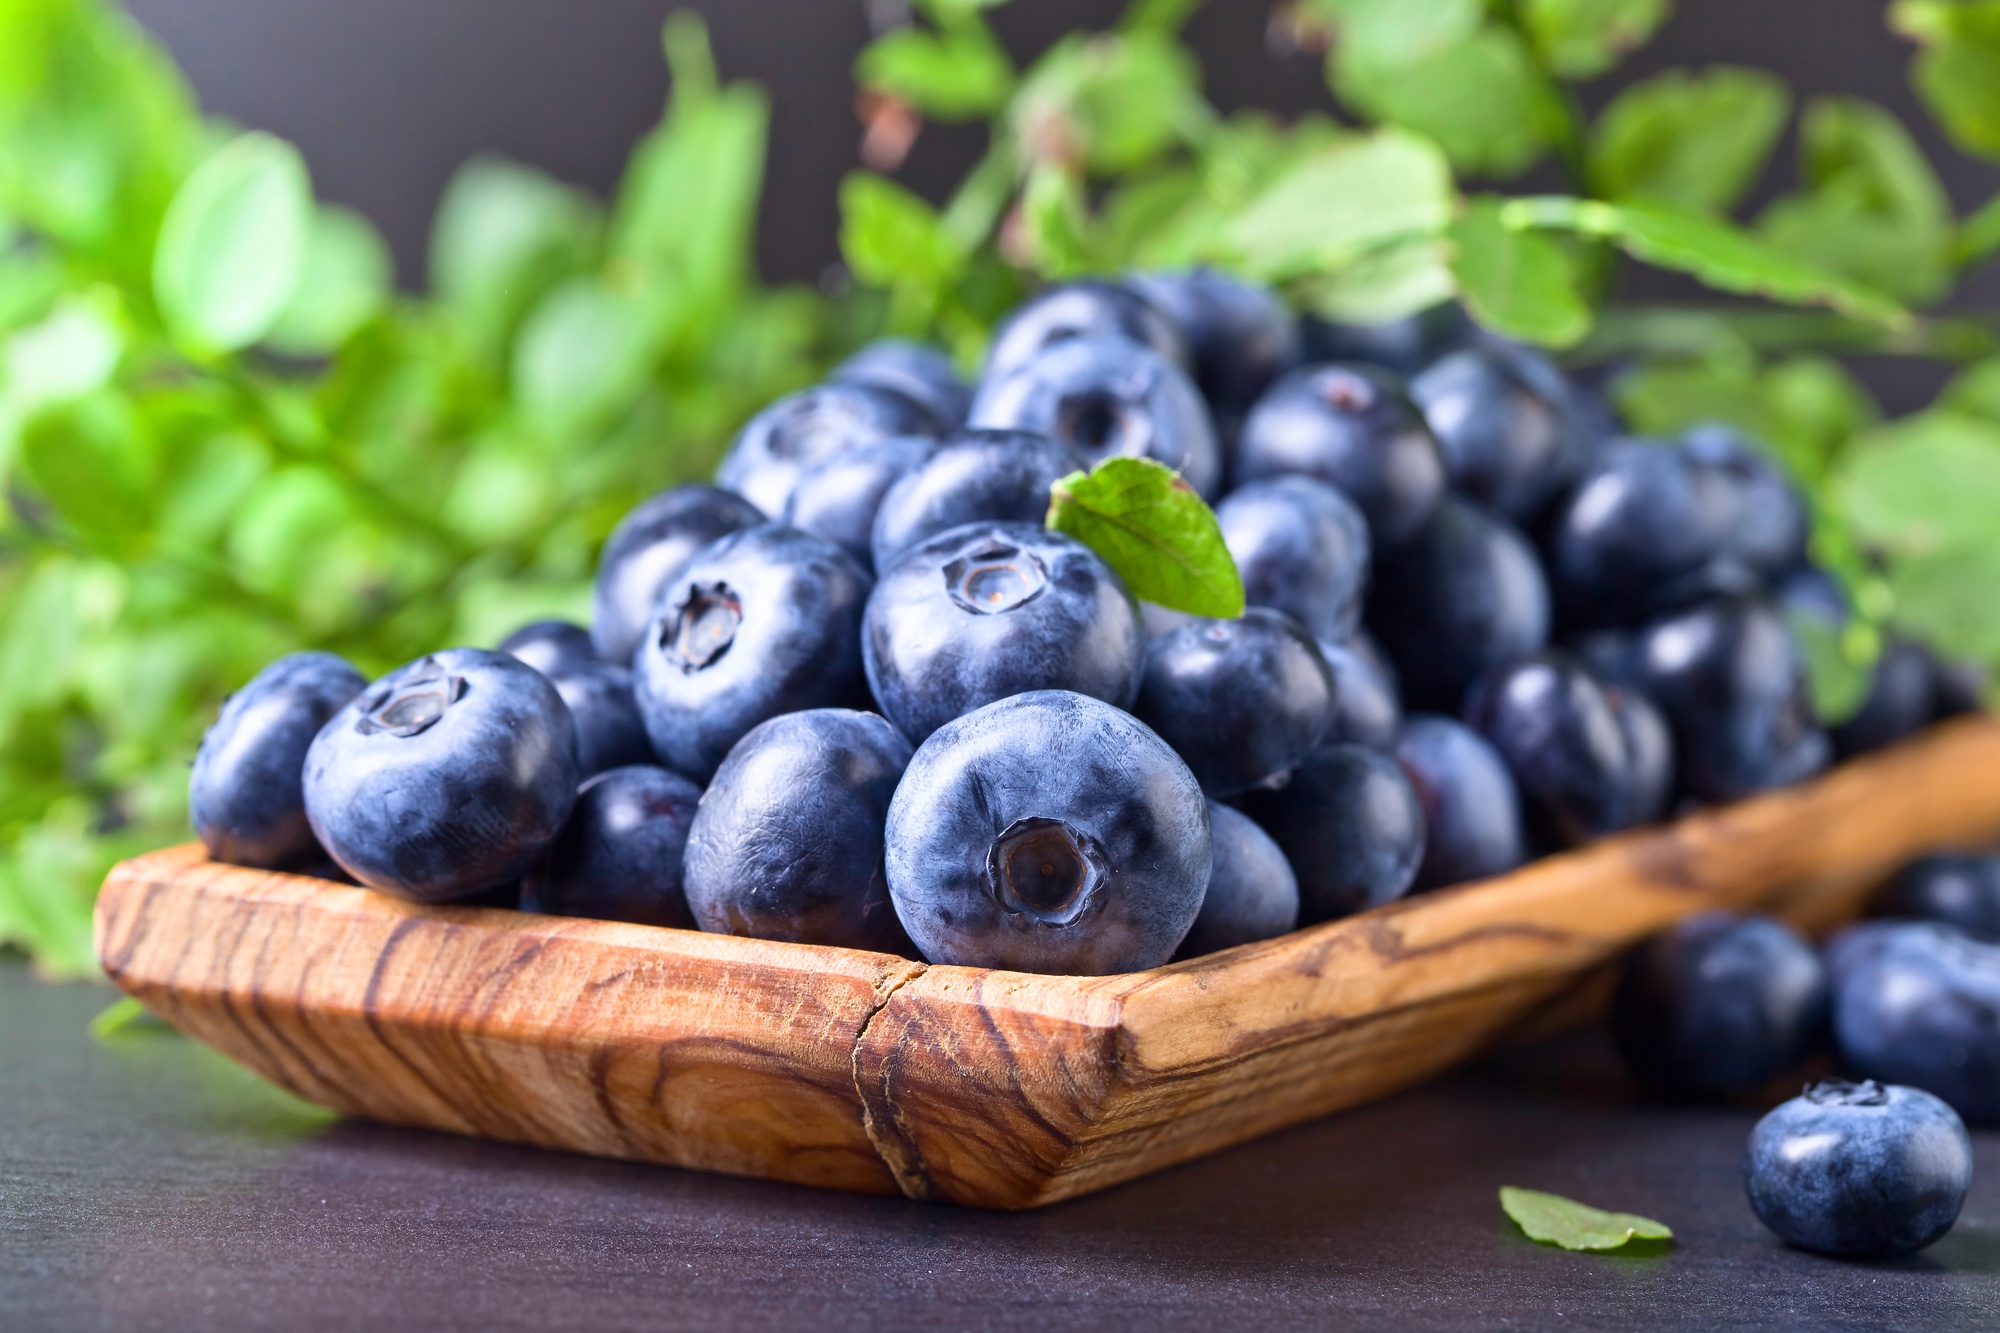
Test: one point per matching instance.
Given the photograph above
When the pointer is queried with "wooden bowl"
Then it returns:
(868, 1072)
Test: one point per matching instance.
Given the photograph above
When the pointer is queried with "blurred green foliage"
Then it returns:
(223, 435)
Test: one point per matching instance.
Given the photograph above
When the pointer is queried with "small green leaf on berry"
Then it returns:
(1151, 526)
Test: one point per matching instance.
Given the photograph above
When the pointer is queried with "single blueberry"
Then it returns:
(1352, 827)
(1472, 813)
(1252, 893)
(788, 845)
(551, 646)
(1462, 595)
(1086, 309)
(618, 858)
(1958, 890)
(1503, 420)
(1240, 335)
(610, 733)
(1730, 681)
(1403, 345)
(1772, 526)
(992, 609)
(976, 476)
(1858, 1169)
(837, 498)
(1049, 832)
(1367, 701)
(245, 797)
(917, 371)
(1901, 701)
(1586, 766)
(1718, 1004)
(1301, 547)
(1849, 947)
(446, 778)
(802, 428)
(1108, 398)
(1242, 701)
(1922, 1007)
(763, 622)
(644, 553)
(1354, 428)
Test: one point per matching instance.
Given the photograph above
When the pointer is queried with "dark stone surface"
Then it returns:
(146, 1184)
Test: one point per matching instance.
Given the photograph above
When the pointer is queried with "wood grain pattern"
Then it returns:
(867, 1072)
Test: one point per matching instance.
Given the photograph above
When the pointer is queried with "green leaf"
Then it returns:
(893, 239)
(503, 235)
(1518, 283)
(581, 355)
(1384, 32)
(1692, 141)
(1946, 599)
(1481, 99)
(1554, 1220)
(1957, 71)
(1152, 528)
(233, 243)
(1974, 391)
(1717, 253)
(70, 353)
(1580, 39)
(1338, 203)
(1979, 235)
(1108, 102)
(1836, 679)
(958, 74)
(1388, 282)
(346, 279)
(1926, 483)
(123, 1015)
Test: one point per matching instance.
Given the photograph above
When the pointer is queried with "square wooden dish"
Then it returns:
(868, 1072)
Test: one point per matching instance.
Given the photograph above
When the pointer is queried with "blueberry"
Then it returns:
(1352, 827)
(1772, 525)
(1858, 1169)
(1958, 890)
(648, 548)
(1502, 418)
(1367, 701)
(1472, 814)
(1959, 688)
(1108, 398)
(618, 858)
(1239, 335)
(1730, 681)
(992, 609)
(1242, 701)
(446, 778)
(1301, 547)
(1849, 947)
(245, 797)
(610, 733)
(1570, 742)
(1403, 345)
(1252, 893)
(1463, 594)
(787, 844)
(916, 371)
(763, 622)
(1901, 700)
(1922, 1006)
(837, 498)
(978, 476)
(802, 428)
(1354, 428)
(1049, 832)
(1087, 309)
(551, 646)
(1719, 1004)
(1812, 591)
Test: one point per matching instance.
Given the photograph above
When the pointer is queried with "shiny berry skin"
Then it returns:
(1239, 335)
(837, 498)
(1367, 701)
(1772, 526)
(1859, 1170)
(1252, 893)
(802, 428)
(1502, 418)
(648, 548)
(446, 778)
(787, 844)
(1243, 702)
(1352, 827)
(1472, 813)
(916, 371)
(1048, 832)
(618, 858)
(1462, 595)
(610, 733)
(763, 622)
(551, 646)
(1958, 890)
(1921, 1006)
(1086, 309)
(1718, 1004)
(1108, 398)
(975, 476)
(245, 796)
(993, 609)
(1354, 428)
(1301, 547)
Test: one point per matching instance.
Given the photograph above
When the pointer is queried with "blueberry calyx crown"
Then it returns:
(1045, 870)
(413, 704)
(1844, 1092)
(1099, 421)
(704, 625)
(1347, 393)
(995, 576)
